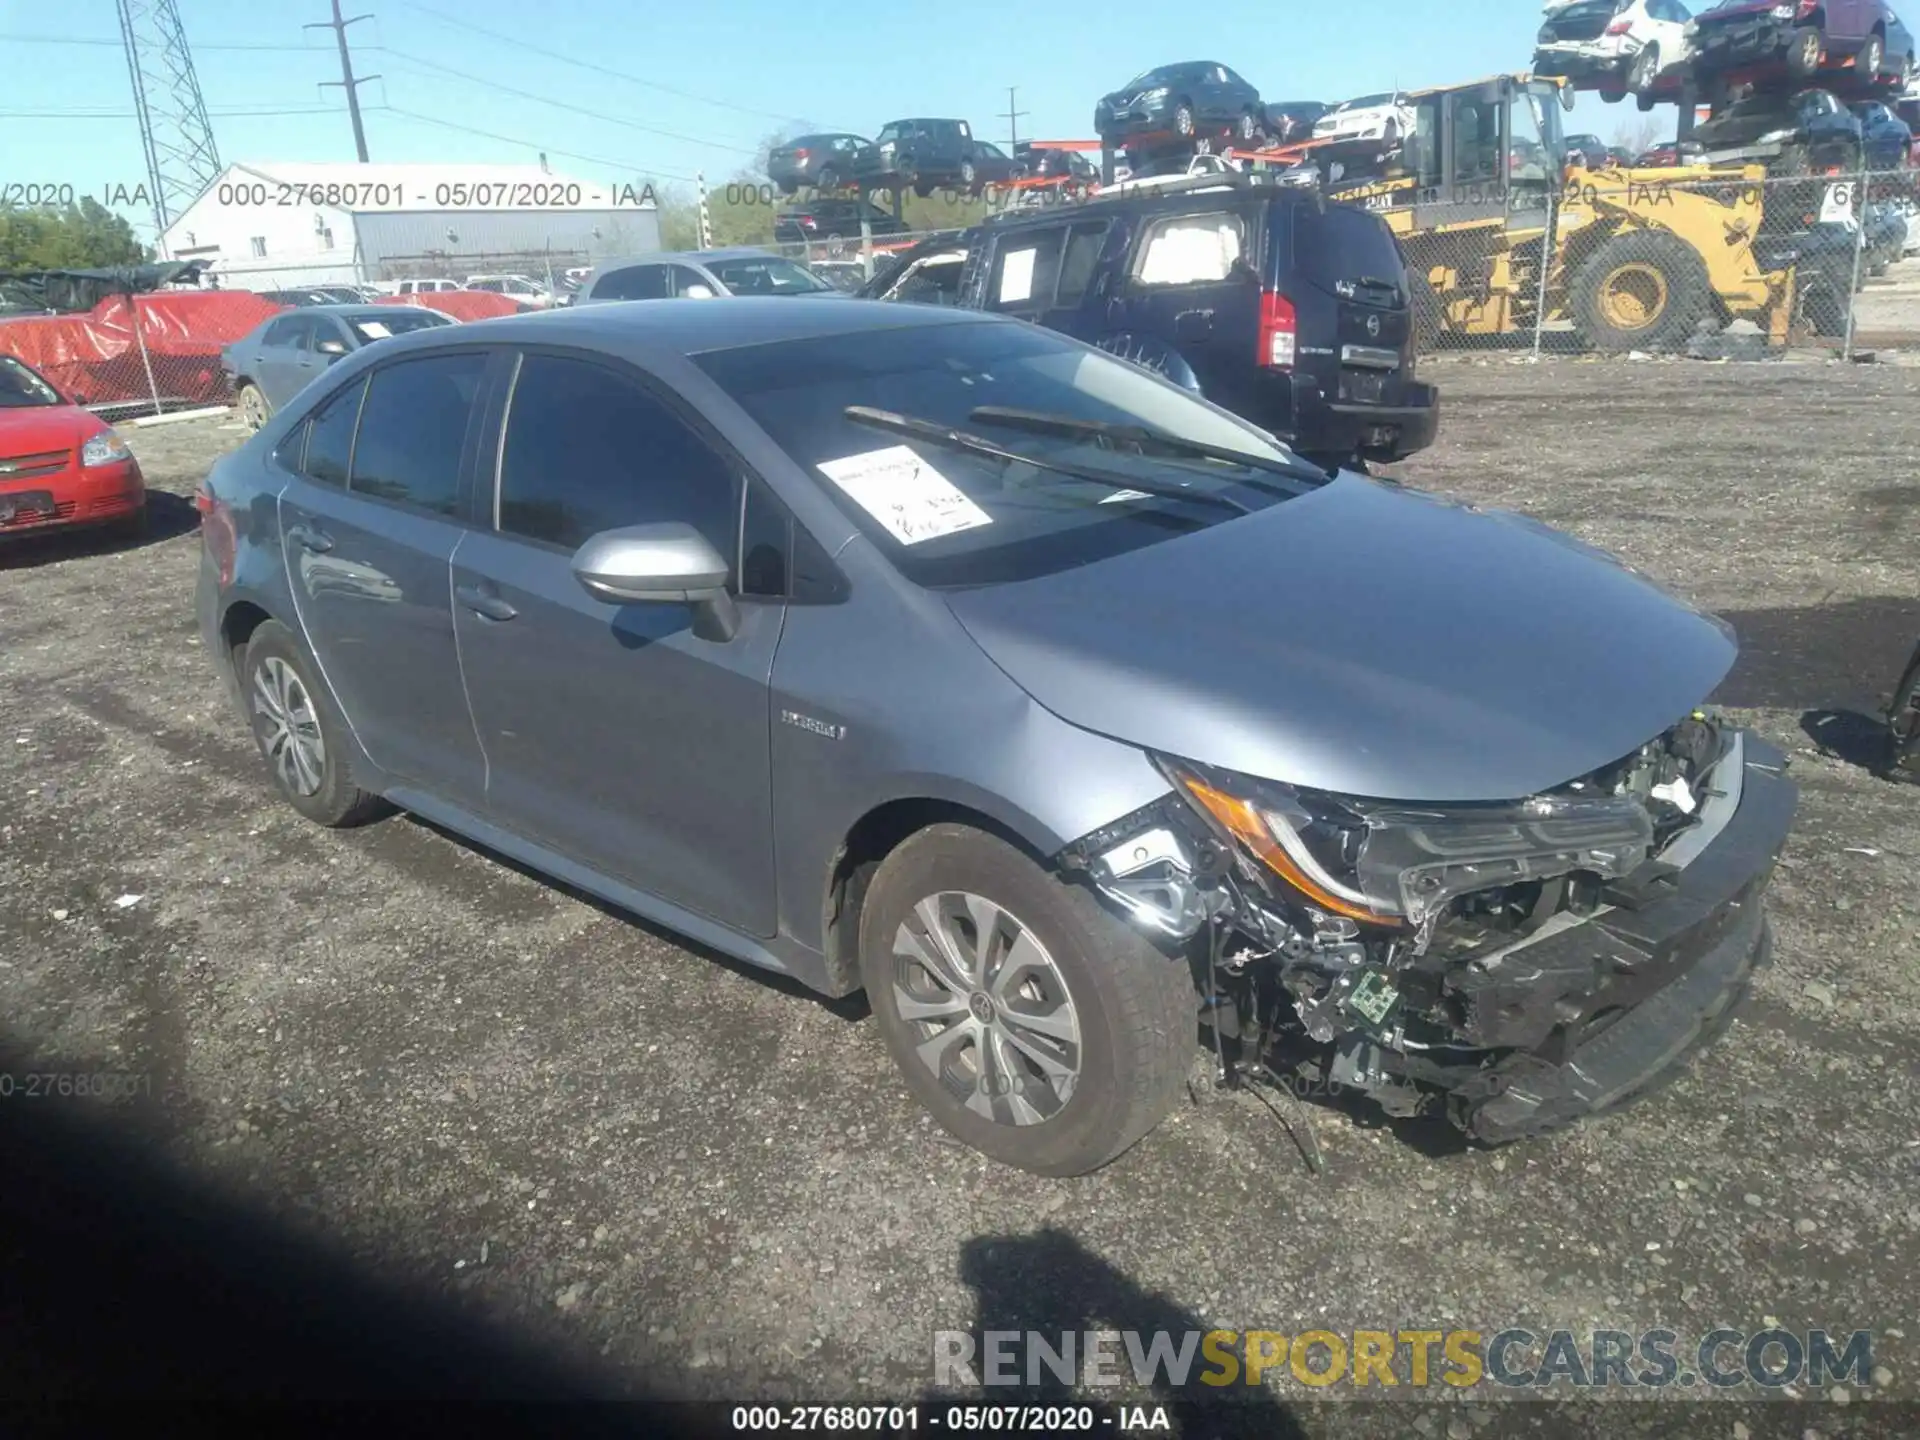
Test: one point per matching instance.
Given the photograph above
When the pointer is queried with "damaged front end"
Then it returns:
(1516, 965)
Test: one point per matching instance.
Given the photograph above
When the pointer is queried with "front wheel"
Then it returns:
(1805, 52)
(1903, 721)
(1872, 56)
(1030, 1022)
(1183, 122)
(1641, 290)
(1646, 70)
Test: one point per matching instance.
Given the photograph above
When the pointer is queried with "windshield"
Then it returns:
(947, 519)
(370, 328)
(766, 275)
(20, 388)
(1367, 102)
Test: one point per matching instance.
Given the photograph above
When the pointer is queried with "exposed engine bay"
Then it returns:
(1432, 957)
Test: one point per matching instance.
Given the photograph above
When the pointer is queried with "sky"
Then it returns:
(611, 91)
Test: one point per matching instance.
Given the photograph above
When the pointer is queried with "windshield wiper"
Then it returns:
(948, 438)
(1144, 437)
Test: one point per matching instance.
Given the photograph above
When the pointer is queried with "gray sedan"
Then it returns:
(702, 275)
(936, 654)
(272, 364)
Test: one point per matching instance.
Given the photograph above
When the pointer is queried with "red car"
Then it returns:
(60, 464)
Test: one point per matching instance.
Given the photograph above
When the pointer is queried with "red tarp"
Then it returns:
(95, 357)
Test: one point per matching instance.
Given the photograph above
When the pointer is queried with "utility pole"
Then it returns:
(347, 81)
(1013, 119)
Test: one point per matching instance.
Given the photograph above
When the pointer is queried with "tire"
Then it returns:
(968, 176)
(1247, 127)
(1824, 298)
(1903, 722)
(828, 180)
(1804, 52)
(1390, 133)
(1640, 290)
(1872, 56)
(923, 188)
(1133, 1010)
(1645, 71)
(254, 408)
(1613, 97)
(1644, 103)
(1183, 122)
(334, 799)
(1642, 1053)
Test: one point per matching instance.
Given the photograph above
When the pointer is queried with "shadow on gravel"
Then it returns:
(125, 1278)
(169, 516)
(1847, 655)
(1850, 736)
(1049, 1285)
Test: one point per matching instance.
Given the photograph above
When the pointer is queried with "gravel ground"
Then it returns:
(511, 1103)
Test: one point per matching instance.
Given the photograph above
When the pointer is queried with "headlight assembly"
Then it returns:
(1398, 865)
(106, 448)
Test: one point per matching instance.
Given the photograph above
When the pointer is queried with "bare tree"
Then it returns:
(1638, 135)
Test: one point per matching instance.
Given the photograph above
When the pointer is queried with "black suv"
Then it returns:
(1266, 299)
(926, 154)
(1198, 97)
(820, 162)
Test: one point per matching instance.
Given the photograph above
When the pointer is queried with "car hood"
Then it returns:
(1363, 640)
(40, 429)
(1743, 10)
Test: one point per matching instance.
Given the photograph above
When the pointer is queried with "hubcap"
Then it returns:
(253, 408)
(993, 1019)
(1633, 297)
(288, 727)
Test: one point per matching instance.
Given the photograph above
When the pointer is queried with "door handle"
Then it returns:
(308, 538)
(484, 602)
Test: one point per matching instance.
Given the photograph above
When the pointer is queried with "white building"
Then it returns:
(270, 226)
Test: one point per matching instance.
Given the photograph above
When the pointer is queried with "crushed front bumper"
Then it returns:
(1593, 1009)
(1741, 42)
(1582, 61)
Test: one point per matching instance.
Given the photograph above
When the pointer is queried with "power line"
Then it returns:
(532, 144)
(564, 105)
(521, 46)
(197, 45)
(134, 114)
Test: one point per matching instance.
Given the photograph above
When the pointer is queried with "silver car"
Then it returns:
(935, 654)
(702, 275)
(271, 364)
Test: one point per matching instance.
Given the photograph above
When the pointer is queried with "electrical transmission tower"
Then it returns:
(174, 130)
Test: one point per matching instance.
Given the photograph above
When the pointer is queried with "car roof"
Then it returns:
(348, 311)
(698, 257)
(644, 329)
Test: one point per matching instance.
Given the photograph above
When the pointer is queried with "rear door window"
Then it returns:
(330, 437)
(1189, 249)
(413, 430)
(637, 282)
(1025, 271)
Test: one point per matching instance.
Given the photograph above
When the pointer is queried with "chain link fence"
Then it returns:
(1714, 267)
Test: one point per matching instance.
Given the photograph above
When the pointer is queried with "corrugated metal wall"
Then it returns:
(458, 243)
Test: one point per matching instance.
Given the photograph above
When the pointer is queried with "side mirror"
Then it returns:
(333, 349)
(670, 564)
(698, 292)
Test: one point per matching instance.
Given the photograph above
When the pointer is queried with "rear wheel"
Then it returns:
(1030, 1022)
(828, 179)
(1804, 52)
(253, 405)
(1872, 56)
(1183, 123)
(301, 736)
(1640, 290)
(1247, 127)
